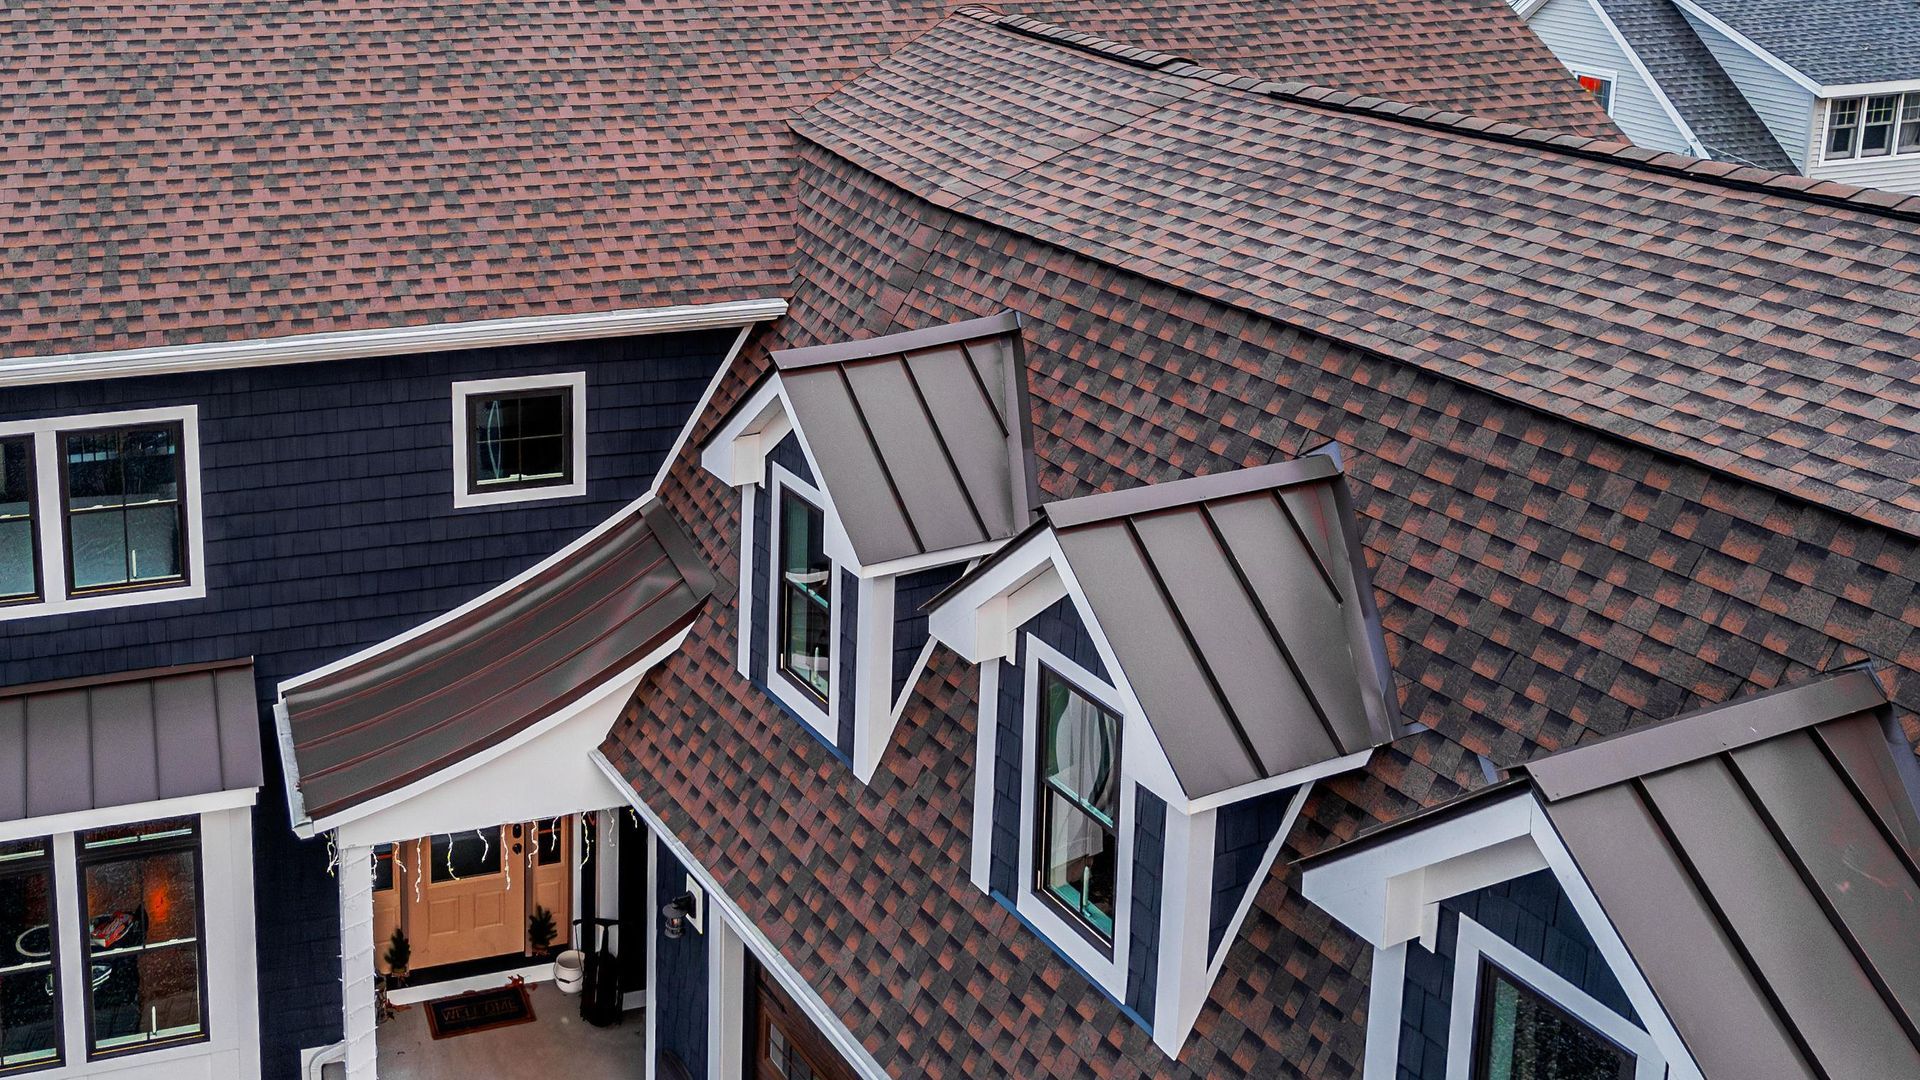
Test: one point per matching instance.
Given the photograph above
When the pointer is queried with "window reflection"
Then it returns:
(29, 958)
(141, 888)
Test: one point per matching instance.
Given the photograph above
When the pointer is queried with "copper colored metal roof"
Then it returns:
(1240, 610)
(1759, 861)
(131, 737)
(921, 437)
(431, 701)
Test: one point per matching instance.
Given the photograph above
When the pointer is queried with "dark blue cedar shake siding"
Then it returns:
(328, 509)
(1242, 832)
(911, 592)
(680, 980)
(1149, 874)
(849, 603)
(1060, 627)
(1532, 913)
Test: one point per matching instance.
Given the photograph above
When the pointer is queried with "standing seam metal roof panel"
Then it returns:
(132, 737)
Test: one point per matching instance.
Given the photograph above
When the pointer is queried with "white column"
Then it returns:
(72, 951)
(356, 961)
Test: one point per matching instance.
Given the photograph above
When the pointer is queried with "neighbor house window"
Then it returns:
(1523, 1036)
(806, 596)
(29, 958)
(1600, 86)
(519, 439)
(125, 507)
(1076, 831)
(1876, 126)
(140, 890)
(19, 544)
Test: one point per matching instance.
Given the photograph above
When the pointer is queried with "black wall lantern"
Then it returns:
(681, 912)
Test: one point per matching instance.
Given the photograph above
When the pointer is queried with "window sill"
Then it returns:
(464, 499)
(101, 601)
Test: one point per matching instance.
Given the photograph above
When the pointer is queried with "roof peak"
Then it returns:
(1725, 174)
(1168, 495)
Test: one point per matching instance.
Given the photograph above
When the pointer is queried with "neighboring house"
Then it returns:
(1828, 91)
(340, 350)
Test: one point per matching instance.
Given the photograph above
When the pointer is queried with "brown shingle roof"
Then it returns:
(245, 168)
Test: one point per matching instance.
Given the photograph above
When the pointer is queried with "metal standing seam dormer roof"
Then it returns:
(1761, 861)
(922, 438)
(1240, 610)
(496, 669)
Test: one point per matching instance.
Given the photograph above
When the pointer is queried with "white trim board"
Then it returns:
(383, 341)
(414, 994)
(82, 820)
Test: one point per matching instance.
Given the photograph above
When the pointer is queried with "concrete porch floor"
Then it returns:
(557, 1044)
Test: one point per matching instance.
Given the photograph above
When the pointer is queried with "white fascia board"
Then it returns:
(973, 621)
(105, 816)
(1306, 774)
(872, 675)
(1646, 76)
(762, 948)
(910, 564)
(1748, 44)
(737, 451)
(1891, 86)
(382, 341)
(624, 681)
(1382, 892)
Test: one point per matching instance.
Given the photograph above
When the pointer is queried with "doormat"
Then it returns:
(479, 1010)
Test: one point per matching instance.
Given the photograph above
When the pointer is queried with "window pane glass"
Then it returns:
(1081, 749)
(99, 548)
(1842, 123)
(1525, 1037)
(16, 559)
(153, 542)
(93, 470)
(806, 595)
(465, 855)
(547, 840)
(382, 867)
(143, 928)
(522, 439)
(1077, 862)
(151, 469)
(1876, 133)
(123, 502)
(1910, 124)
(29, 993)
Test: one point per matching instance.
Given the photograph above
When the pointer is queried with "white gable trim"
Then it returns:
(1748, 44)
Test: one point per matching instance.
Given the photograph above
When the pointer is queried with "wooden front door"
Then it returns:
(781, 1043)
(472, 898)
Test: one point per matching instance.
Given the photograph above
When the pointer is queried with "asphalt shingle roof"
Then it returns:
(1835, 44)
(253, 168)
(1694, 82)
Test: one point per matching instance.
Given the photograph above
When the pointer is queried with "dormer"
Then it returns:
(870, 473)
(1164, 671)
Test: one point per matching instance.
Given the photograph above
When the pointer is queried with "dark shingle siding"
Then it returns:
(910, 593)
(1143, 925)
(1242, 832)
(327, 492)
(1060, 627)
(787, 454)
(1004, 866)
(845, 664)
(680, 977)
(1534, 915)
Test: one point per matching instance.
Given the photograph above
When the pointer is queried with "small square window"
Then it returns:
(1523, 1036)
(19, 546)
(1076, 864)
(519, 439)
(140, 885)
(125, 507)
(1600, 86)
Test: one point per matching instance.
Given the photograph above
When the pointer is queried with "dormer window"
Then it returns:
(1164, 672)
(1875, 126)
(1077, 860)
(806, 596)
(870, 474)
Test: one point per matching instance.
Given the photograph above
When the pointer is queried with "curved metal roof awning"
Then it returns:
(518, 656)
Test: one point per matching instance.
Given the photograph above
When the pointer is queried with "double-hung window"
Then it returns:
(1875, 126)
(805, 596)
(140, 891)
(29, 958)
(1076, 835)
(125, 507)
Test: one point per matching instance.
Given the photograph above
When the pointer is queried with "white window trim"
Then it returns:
(462, 439)
(49, 523)
(1475, 943)
(1825, 128)
(1612, 79)
(824, 721)
(1110, 973)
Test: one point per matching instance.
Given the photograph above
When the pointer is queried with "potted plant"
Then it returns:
(399, 953)
(541, 930)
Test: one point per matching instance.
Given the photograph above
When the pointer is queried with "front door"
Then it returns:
(781, 1043)
(472, 899)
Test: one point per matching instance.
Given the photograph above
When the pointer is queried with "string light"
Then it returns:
(451, 840)
(419, 870)
(333, 855)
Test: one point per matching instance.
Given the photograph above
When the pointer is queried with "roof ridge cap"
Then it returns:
(1721, 173)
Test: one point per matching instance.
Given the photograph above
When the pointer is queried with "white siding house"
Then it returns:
(1585, 39)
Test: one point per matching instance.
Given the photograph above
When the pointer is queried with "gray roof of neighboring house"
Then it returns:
(1835, 44)
(1240, 609)
(1761, 861)
(922, 437)
(132, 737)
(409, 711)
(1692, 79)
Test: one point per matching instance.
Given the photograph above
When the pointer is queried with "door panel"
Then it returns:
(550, 867)
(472, 903)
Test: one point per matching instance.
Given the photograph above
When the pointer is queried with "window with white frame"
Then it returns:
(99, 511)
(804, 587)
(1600, 85)
(1516, 1019)
(1880, 125)
(140, 890)
(1076, 834)
(519, 439)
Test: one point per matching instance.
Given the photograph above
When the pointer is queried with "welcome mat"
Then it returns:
(479, 1010)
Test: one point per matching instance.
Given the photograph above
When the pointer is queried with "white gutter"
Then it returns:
(383, 341)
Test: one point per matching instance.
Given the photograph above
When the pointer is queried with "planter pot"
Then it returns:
(570, 971)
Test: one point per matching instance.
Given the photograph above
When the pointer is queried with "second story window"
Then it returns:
(806, 596)
(519, 439)
(125, 507)
(19, 550)
(1077, 859)
(1877, 126)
